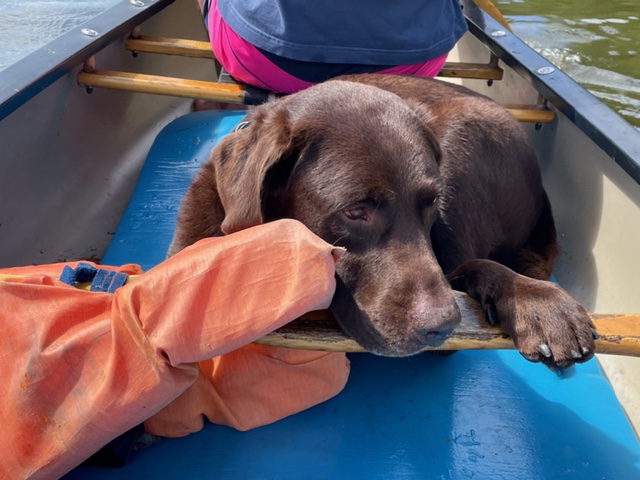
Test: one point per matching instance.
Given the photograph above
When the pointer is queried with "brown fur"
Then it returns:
(418, 179)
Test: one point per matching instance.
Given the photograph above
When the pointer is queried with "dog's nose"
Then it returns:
(433, 323)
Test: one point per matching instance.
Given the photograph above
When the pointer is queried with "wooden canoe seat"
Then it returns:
(236, 93)
(486, 414)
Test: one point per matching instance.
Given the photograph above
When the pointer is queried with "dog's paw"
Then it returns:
(545, 323)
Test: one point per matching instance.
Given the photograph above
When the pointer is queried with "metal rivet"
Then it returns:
(89, 32)
(136, 3)
(546, 70)
(498, 33)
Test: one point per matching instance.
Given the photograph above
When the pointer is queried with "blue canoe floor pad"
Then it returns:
(470, 415)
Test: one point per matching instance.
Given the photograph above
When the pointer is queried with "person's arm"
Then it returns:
(79, 368)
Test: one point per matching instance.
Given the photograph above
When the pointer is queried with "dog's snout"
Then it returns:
(431, 337)
(433, 323)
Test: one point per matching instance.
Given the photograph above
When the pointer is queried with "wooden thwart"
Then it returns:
(528, 114)
(226, 92)
(177, 87)
(618, 334)
(246, 95)
(169, 46)
(478, 71)
(200, 49)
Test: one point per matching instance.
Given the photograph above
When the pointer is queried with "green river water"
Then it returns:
(596, 42)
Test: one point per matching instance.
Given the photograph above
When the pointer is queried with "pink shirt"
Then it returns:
(245, 63)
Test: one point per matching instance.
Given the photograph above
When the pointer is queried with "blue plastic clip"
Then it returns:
(102, 280)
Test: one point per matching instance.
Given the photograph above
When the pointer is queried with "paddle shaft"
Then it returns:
(618, 334)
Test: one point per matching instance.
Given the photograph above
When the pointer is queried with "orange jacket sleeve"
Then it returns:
(79, 368)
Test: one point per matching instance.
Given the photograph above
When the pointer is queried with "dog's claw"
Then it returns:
(575, 355)
(594, 333)
(585, 350)
(492, 316)
(544, 350)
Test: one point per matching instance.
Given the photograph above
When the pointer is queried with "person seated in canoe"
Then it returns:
(287, 45)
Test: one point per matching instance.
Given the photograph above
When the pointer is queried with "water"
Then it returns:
(27, 25)
(596, 42)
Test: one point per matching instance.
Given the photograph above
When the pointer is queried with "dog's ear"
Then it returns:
(426, 119)
(252, 152)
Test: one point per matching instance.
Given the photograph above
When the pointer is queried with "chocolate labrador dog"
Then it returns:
(428, 186)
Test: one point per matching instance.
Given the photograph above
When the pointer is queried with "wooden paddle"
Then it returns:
(618, 334)
(489, 7)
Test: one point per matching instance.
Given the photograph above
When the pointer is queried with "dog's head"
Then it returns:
(360, 168)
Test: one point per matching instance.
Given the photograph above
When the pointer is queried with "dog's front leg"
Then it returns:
(544, 321)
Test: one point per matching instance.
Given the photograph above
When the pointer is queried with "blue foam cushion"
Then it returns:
(472, 415)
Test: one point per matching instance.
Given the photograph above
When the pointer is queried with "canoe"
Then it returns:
(83, 177)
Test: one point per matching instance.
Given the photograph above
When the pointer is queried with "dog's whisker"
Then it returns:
(335, 243)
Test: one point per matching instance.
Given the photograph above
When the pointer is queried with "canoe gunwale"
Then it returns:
(32, 74)
(614, 135)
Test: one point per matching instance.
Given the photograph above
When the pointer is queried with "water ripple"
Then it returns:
(596, 45)
(28, 25)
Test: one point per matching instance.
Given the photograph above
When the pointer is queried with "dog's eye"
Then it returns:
(428, 200)
(359, 212)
